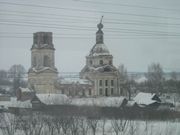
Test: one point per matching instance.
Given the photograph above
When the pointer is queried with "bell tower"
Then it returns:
(99, 67)
(42, 73)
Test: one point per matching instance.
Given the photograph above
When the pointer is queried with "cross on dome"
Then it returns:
(100, 25)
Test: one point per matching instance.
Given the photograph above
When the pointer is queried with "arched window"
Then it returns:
(101, 62)
(45, 39)
(35, 39)
(46, 61)
(90, 62)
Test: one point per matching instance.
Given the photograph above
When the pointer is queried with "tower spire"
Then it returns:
(99, 33)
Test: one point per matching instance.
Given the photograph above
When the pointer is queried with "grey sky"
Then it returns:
(137, 32)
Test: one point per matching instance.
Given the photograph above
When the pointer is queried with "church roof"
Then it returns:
(52, 99)
(99, 49)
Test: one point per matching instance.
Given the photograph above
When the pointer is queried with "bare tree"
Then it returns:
(133, 127)
(25, 124)
(124, 82)
(8, 123)
(17, 72)
(49, 122)
(155, 78)
(103, 124)
(37, 122)
(83, 125)
(74, 126)
(119, 126)
(57, 124)
(65, 124)
(93, 124)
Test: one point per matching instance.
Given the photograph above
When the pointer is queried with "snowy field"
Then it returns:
(51, 125)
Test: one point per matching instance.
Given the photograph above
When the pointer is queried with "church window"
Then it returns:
(106, 91)
(112, 91)
(91, 62)
(46, 61)
(100, 91)
(62, 91)
(112, 82)
(106, 82)
(100, 82)
(101, 62)
(45, 39)
(34, 61)
(89, 91)
(110, 62)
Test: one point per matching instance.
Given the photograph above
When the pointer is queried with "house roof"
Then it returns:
(101, 101)
(144, 98)
(25, 89)
(53, 99)
(14, 103)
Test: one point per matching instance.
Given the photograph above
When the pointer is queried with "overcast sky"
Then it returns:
(136, 32)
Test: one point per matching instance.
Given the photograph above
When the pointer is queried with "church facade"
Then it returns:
(99, 68)
(42, 73)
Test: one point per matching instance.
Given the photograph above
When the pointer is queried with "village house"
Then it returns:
(147, 100)
(23, 94)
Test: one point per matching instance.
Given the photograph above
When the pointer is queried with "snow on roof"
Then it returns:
(74, 80)
(14, 103)
(21, 104)
(102, 68)
(101, 101)
(144, 98)
(99, 49)
(6, 87)
(53, 99)
(42, 69)
(25, 89)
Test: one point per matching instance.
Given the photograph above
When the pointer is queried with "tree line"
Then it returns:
(155, 81)
(39, 123)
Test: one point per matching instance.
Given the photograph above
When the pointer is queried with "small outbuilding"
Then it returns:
(24, 94)
(147, 100)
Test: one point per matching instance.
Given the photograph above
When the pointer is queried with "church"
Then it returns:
(99, 77)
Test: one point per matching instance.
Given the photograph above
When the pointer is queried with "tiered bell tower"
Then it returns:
(43, 73)
(99, 68)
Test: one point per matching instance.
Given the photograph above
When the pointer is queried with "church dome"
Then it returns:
(99, 49)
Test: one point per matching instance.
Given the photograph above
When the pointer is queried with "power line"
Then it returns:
(79, 18)
(122, 37)
(90, 11)
(90, 34)
(76, 27)
(127, 5)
